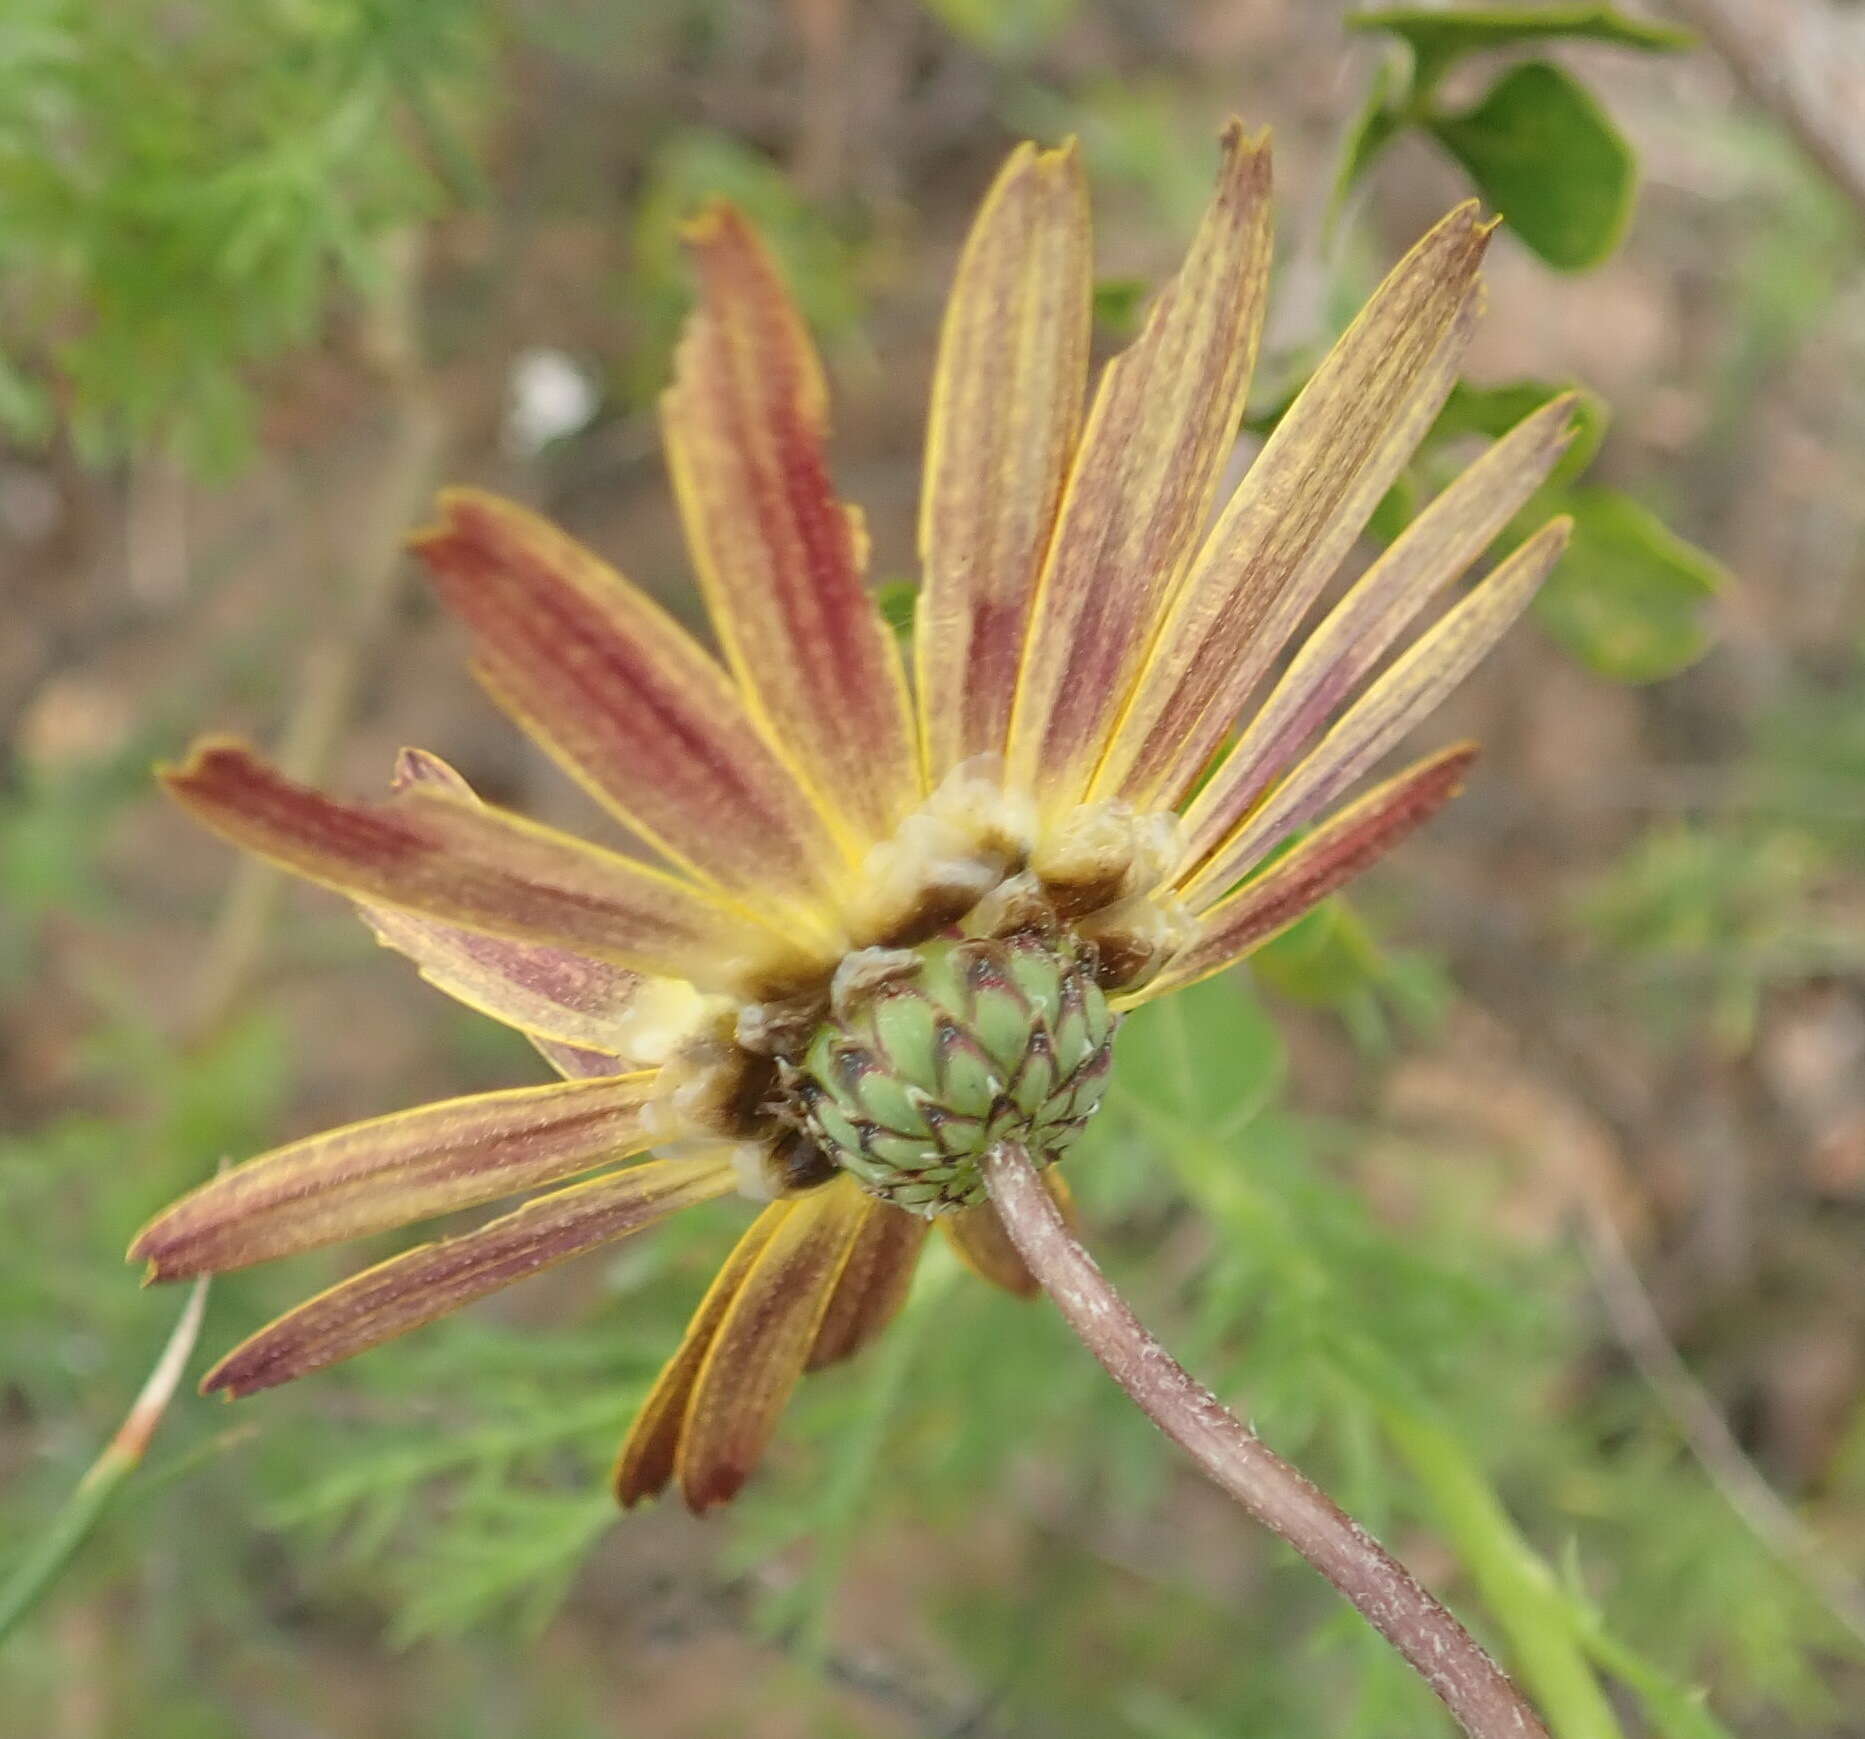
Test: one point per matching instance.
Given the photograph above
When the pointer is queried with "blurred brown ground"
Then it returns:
(1736, 1176)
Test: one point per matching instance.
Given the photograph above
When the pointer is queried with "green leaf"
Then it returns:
(1438, 37)
(1493, 411)
(1549, 158)
(1118, 304)
(1323, 959)
(1207, 1058)
(898, 600)
(1631, 598)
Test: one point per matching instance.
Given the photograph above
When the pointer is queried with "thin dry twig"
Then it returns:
(1470, 1684)
(1805, 64)
(407, 475)
(1700, 1422)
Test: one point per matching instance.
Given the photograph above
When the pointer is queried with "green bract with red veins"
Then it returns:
(938, 1053)
(865, 916)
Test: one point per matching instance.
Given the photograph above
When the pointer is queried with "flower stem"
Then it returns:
(1471, 1685)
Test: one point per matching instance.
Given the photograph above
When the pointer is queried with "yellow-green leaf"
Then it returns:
(1632, 601)
(1549, 158)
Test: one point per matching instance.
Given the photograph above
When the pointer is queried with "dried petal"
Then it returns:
(1296, 514)
(1006, 411)
(436, 1279)
(548, 993)
(763, 1343)
(430, 853)
(1430, 554)
(1413, 687)
(391, 1171)
(625, 700)
(1330, 857)
(646, 1461)
(1163, 421)
(779, 558)
(874, 1282)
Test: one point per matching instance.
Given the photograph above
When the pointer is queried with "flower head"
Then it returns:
(888, 924)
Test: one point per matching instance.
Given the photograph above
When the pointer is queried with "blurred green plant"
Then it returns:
(1537, 145)
(1005, 29)
(687, 168)
(186, 191)
(1740, 889)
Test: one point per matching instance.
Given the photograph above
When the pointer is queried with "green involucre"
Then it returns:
(966, 1044)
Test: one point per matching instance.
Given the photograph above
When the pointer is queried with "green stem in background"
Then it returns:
(1472, 1687)
(1518, 1588)
(71, 1525)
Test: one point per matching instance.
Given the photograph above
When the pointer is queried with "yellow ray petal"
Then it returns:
(1415, 684)
(778, 557)
(648, 1454)
(874, 1282)
(624, 700)
(435, 1279)
(1163, 420)
(1296, 514)
(1336, 852)
(763, 1343)
(390, 1171)
(1431, 553)
(979, 1237)
(429, 852)
(1006, 410)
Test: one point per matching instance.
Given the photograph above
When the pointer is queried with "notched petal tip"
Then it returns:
(151, 1247)
(718, 219)
(203, 755)
(1462, 232)
(451, 504)
(422, 767)
(1240, 144)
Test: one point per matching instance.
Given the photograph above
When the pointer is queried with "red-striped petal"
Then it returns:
(436, 1279)
(873, 1285)
(625, 700)
(652, 1447)
(763, 1343)
(1430, 554)
(1330, 857)
(1374, 724)
(1296, 514)
(549, 993)
(391, 1171)
(779, 558)
(1006, 411)
(430, 853)
(1163, 421)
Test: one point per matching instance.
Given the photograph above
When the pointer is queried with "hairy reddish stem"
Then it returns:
(1445, 1655)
